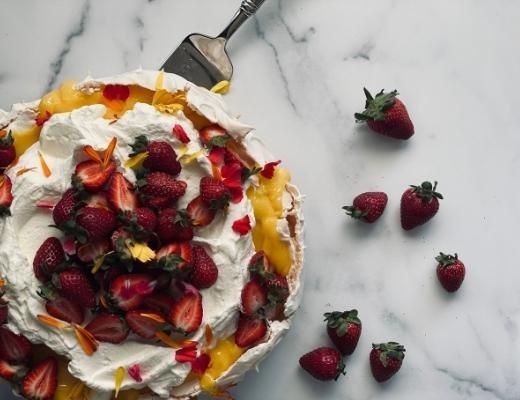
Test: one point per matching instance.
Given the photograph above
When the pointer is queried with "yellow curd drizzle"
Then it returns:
(223, 356)
(268, 208)
(25, 138)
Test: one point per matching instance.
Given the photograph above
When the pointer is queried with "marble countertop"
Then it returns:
(300, 67)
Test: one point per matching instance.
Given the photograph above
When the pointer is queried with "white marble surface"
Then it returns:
(300, 67)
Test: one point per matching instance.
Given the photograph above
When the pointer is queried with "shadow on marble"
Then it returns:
(376, 143)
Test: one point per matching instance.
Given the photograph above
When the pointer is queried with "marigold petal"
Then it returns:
(24, 170)
(86, 340)
(53, 322)
(242, 226)
(45, 167)
(119, 378)
(109, 152)
(268, 170)
(221, 87)
(167, 340)
(136, 161)
(208, 335)
(153, 317)
(92, 153)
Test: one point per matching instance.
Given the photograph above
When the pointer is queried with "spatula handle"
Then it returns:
(247, 9)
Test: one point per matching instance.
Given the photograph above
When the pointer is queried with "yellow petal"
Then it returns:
(189, 158)
(45, 168)
(169, 108)
(167, 340)
(140, 251)
(120, 376)
(222, 87)
(136, 161)
(159, 81)
(98, 264)
(183, 149)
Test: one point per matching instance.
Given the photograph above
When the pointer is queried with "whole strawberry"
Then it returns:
(175, 225)
(344, 329)
(385, 360)
(161, 155)
(162, 185)
(204, 273)
(64, 209)
(75, 285)
(450, 271)
(386, 115)
(48, 257)
(7, 151)
(368, 207)
(419, 204)
(97, 223)
(214, 193)
(324, 363)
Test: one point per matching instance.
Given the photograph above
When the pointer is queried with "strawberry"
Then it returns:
(214, 193)
(128, 291)
(65, 309)
(254, 298)
(91, 175)
(41, 382)
(450, 271)
(157, 202)
(64, 209)
(214, 136)
(97, 223)
(277, 288)
(141, 325)
(344, 329)
(98, 200)
(368, 207)
(159, 302)
(48, 258)
(75, 285)
(121, 194)
(10, 371)
(109, 328)
(91, 251)
(162, 185)
(385, 360)
(13, 347)
(7, 150)
(259, 266)
(386, 115)
(419, 204)
(323, 363)
(174, 224)
(146, 218)
(249, 331)
(204, 273)
(175, 257)
(200, 213)
(4, 311)
(186, 314)
(162, 157)
(6, 195)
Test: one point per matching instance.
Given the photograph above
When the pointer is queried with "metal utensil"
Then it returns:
(203, 60)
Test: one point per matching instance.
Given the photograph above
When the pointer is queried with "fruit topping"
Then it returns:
(128, 291)
(41, 382)
(48, 258)
(186, 314)
(121, 194)
(174, 224)
(323, 363)
(7, 150)
(109, 328)
(6, 196)
(144, 323)
(13, 347)
(214, 193)
(204, 272)
(250, 331)
(200, 213)
(75, 285)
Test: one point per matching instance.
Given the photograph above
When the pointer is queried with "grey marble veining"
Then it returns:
(300, 67)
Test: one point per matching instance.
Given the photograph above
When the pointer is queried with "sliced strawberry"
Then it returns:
(90, 252)
(200, 213)
(13, 347)
(186, 314)
(10, 371)
(92, 175)
(214, 136)
(48, 257)
(121, 194)
(175, 257)
(65, 309)
(250, 331)
(98, 200)
(159, 302)
(128, 291)
(6, 195)
(141, 325)
(108, 328)
(41, 382)
(75, 285)
(254, 298)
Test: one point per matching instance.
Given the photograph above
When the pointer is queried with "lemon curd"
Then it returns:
(268, 208)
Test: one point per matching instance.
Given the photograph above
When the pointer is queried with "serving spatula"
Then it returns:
(203, 60)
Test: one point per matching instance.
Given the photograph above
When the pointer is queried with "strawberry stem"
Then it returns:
(445, 260)
(427, 191)
(355, 212)
(375, 107)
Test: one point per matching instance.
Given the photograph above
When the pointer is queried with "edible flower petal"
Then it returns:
(41, 119)
(24, 170)
(186, 354)
(167, 340)
(45, 167)
(242, 226)
(208, 335)
(221, 87)
(98, 264)
(135, 372)
(232, 179)
(136, 161)
(116, 92)
(180, 134)
(153, 317)
(268, 171)
(46, 203)
(201, 364)
(140, 251)
(53, 322)
(216, 155)
(119, 378)
(86, 340)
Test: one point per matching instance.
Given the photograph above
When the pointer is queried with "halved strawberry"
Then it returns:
(159, 302)
(214, 136)
(41, 382)
(186, 314)
(128, 291)
(250, 331)
(11, 371)
(48, 257)
(175, 257)
(92, 175)
(98, 200)
(90, 252)
(6, 195)
(142, 325)
(108, 328)
(65, 309)
(13, 347)
(200, 213)
(254, 298)
(121, 194)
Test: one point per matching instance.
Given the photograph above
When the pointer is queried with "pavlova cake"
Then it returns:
(150, 246)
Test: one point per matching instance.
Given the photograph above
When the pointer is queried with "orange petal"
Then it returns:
(154, 317)
(216, 172)
(51, 321)
(92, 153)
(208, 334)
(2, 283)
(45, 168)
(24, 170)
(119, 378)
(166, 339)
(109, 152)
(87, 342)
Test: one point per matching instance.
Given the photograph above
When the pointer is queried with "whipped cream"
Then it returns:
(61, 141)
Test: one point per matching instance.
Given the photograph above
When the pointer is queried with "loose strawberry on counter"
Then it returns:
(386, 115)
(323, 363)
(385, 360)
(450, 271)
(368, 207)
(344, 329)
(419, 204)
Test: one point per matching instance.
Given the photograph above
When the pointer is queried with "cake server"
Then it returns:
(203, 60)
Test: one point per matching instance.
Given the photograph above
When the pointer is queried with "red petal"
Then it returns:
(201, 364)
(180, 134)
(268, 170)
(242, 226)
(237, 194)
(135, 372)
(41, 119)
(46, 203)
(216, 155)
(116, 92)
(187, 354)
(232, 171)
